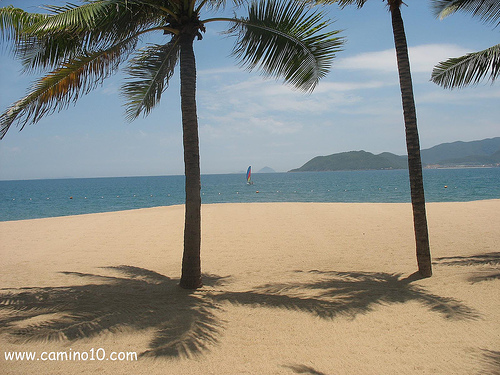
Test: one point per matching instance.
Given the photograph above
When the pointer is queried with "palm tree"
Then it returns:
(412, 138)
(80, 45)
(472, 67)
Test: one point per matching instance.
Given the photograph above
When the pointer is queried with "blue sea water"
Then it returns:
(61, 197)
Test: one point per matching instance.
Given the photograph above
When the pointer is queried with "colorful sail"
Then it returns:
(249, 175)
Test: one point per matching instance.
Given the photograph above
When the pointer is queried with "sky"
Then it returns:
(246, 119)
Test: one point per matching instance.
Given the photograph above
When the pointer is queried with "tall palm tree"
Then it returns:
(411, 130)
(80, 45)
(471, 68)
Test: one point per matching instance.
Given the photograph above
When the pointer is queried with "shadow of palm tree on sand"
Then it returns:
(186, 322)
(137, 299)
(347, 293)
(491, 360)
(490, 260)
(303, 369)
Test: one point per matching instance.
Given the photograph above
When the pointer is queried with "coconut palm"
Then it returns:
(473, 67)
(80, 45)
(412, 138)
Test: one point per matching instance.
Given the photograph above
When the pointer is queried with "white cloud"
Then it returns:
(422, 58)
(352, 86)
(110, 89)
(381, 61)
(249, 105)
(258, 96)
(218, 71)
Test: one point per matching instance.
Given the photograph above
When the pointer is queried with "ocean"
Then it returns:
(31, 199)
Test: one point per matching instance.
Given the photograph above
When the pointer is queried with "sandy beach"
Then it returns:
(290, 288)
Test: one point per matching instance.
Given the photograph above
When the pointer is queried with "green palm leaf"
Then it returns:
(284, 40)
(150, 72)
(487, 10)
(72, 29)
(468, 69)
(45, 53)
(59, 88)
(217, 4)
(14, 20)
(101, 18)
(473, 67)
(45, 42)
(342, 3)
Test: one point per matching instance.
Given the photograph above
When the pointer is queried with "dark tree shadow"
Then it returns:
(491, 360)
(137, 299)
(347, 293)
(490, 259)
(484, 277)
(185, 322)
(303, 369)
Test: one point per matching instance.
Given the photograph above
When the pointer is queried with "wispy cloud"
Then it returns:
(248, 105)
(203, 73)
(352, 86)
(422, 58)
(111, 88)
(260, 96)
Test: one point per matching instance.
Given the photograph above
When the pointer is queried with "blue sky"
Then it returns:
(245, 119)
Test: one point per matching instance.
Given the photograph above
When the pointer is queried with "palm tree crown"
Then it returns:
(473, 67)
(487, 10)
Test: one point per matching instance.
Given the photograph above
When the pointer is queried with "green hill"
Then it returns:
(474, 160)
(353, 160)
(460, 150)
(456, 154)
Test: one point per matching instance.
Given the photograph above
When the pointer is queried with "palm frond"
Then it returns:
(342, 3)
(14, 20)
(47, 53)
(219, 4)
(72, 29)
(487, 10)
(100, 18)
(469, 69)
(150, 72)
(285, 40)
(65, 85)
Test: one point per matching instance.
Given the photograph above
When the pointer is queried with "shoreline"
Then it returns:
(243, 203)
(290, 288)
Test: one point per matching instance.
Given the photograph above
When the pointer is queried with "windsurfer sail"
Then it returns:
(249, 176)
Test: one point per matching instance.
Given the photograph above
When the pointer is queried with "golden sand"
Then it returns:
(290, 288)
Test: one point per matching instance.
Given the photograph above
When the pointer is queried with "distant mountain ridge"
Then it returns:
(462, 152)
(353, 160)
(485, 152)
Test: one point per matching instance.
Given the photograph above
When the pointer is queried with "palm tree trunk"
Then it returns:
(412, 143)
(191, 261)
